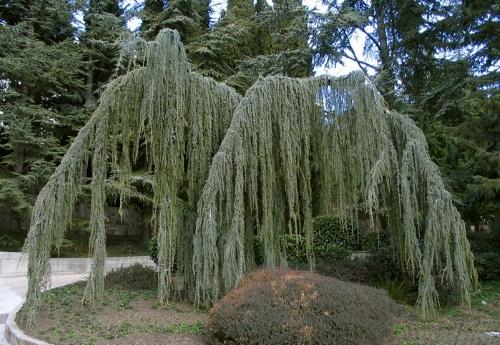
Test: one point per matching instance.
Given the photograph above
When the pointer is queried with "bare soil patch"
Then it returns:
(122, 317)
(454, 325)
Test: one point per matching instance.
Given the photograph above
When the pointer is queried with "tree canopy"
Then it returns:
(226, 168)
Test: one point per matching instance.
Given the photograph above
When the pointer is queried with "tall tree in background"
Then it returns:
(189, 17)
(41, 99)
(389, 27)
(466, 93)
(439, 62)
(104, 25)
(255, 40)
(150, 12)
(248, 41)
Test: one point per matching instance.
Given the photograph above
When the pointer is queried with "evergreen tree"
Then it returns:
(255, 40)
(189, 17)
(40, 98)
(437, 61)
(465, 90)
(104, 26)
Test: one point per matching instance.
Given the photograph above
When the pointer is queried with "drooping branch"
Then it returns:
(180, 118)
(288, 135)
(97, 243)
(226, 169)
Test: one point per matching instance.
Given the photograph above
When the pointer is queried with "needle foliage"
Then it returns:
(227, 169)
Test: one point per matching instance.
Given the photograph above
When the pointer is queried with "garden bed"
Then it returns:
(130, 314)
(458, 325)
(125, 316)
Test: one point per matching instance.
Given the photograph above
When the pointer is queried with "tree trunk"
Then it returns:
(387, 86)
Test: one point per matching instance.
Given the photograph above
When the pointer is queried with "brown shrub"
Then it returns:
(278, 307)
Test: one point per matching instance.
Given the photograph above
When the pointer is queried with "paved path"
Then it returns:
(2, 339)
(14, 283)
(13, 292)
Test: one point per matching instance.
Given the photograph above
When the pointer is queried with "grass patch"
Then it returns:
(187, 328)
(399, 328)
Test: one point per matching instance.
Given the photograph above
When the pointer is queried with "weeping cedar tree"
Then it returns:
(227, 168)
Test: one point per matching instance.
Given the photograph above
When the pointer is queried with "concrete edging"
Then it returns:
(15, 336)
(10, 267)
(15, 265)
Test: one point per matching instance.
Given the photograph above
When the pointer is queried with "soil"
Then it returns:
(450, 326)
(134, 317)
(458, 326)
(121, 318)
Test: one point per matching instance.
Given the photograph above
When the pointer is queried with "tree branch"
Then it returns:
(355, 58)
(370, 36)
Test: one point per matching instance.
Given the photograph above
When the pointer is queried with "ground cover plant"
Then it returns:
(128, 313)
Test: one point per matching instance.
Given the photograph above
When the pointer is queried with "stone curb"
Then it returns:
(12, 266)
(15, 336)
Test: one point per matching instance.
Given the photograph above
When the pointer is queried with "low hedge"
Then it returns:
(278, 307)
(333, 239)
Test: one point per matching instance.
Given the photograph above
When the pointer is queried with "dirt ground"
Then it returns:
(454, 325)
(122, 317)
(135, 318)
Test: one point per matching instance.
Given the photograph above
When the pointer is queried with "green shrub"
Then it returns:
(278, 307)
(486, 250)
(488, 265)
(330, 234)
(373, 241)
(153, 249)
(9, 243)
(295, 248)
(258, 249)
(135, 277)
(397, 289)
(333, 239)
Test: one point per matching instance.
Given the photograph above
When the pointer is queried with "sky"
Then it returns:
(338, 70)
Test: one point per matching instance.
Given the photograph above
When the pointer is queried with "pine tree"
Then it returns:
(104, 26)
(40, 101)
(149, 15)
(255, 40)
(189, 17)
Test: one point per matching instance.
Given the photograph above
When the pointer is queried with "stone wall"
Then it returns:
(133, 223)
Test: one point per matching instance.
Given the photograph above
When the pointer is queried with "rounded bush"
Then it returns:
(135, 277)
(278, 307)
